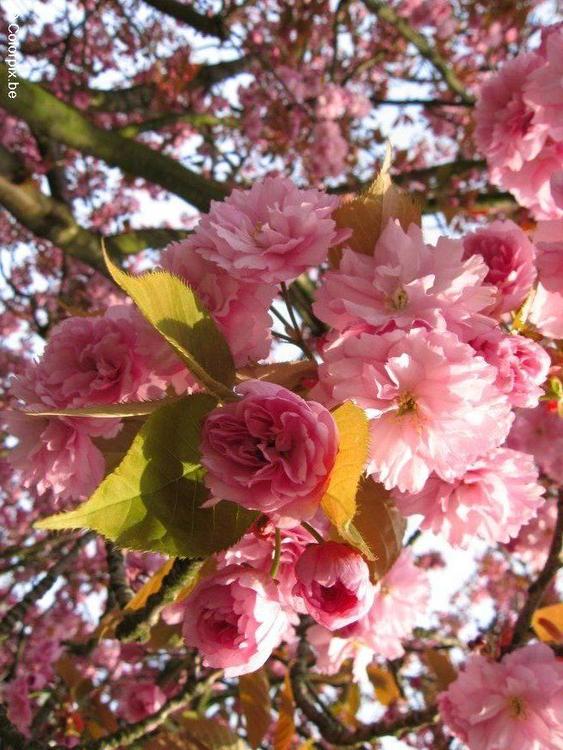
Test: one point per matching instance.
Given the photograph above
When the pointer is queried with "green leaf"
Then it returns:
(107, 411)
(177, 313)
(153, 500)
(339, 500)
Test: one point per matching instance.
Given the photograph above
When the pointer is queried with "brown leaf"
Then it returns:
(385, 685)
(367, 214)
(209, 734)
(288, 374)
(547, 623)
(284, 731)
(441, 666)
(150, 587)
(254, 694)
(380, 525)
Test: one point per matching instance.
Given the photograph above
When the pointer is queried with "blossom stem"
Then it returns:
(277, 555)
(312, 531)
(295, 325)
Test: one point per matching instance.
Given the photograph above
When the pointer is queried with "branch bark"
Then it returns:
(538, 588)
(62, 123)
(387, 14)
(208, 25)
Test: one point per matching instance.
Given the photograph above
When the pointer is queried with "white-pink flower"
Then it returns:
(514, 703)
(506, 132)
(433, 402)
(235, 619)
(240, 309)
(333, 581)
(510, 258)
(521, 365)
(531, 185)
(270, 233)
(547, 308)
(493, 499)
(544, 86)
(539, 431)
(405, 283)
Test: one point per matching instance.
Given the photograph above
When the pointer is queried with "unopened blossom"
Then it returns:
(433, 402)
(539, 431)
(510, 259)
(139, 699)
(547, 307)
(333, 582)
(235, 620)
(240, 309)
(505, 129)
(401, 599)
(521, 364)
(270, 451)
(514, 703)
(492, 500)
(270, 233)
(407, 283)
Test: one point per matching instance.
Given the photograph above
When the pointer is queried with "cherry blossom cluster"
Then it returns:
(422, 337)
(519, 128)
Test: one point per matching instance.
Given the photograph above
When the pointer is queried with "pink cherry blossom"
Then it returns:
(58, 453)
(544, 87)
(270, 233)
(534, 538)
(521, 364)
(407, 282)
(239, 309)
(333, 581)
(433, 402)
(401, 597)
(18, 703)
(506, 132)
(493, 499)
(235, 619)
(531, 185)
(271, 451)
(539, 431)
(139, 699)
(517, 702)
(547, 308)
(510, 258)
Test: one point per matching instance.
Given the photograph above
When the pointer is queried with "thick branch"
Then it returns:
(141, 96)
(331, 729)
(118, 586)
(136, 624)
(539, 586)
(17, 612)
(62, 123)
(208, 25)
(53, 221)
(385, 13)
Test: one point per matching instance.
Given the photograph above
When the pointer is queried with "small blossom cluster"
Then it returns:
(519, 119)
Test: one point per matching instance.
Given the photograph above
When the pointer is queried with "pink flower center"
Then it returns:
(221, 626)
(399, 299)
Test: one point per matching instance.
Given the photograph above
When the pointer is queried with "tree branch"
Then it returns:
(208, 25)
(136, 624)
(53, 221)
(538, 587)
(331, 729)
(60, 122)
(141, 96)
(118, 586)
(385, 13)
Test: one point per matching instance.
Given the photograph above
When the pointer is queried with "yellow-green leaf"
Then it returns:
(379, 524)
(107, 411)
(174, 309)
(254, 695)
(284, 731)
(339, 500)
(153, 500)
